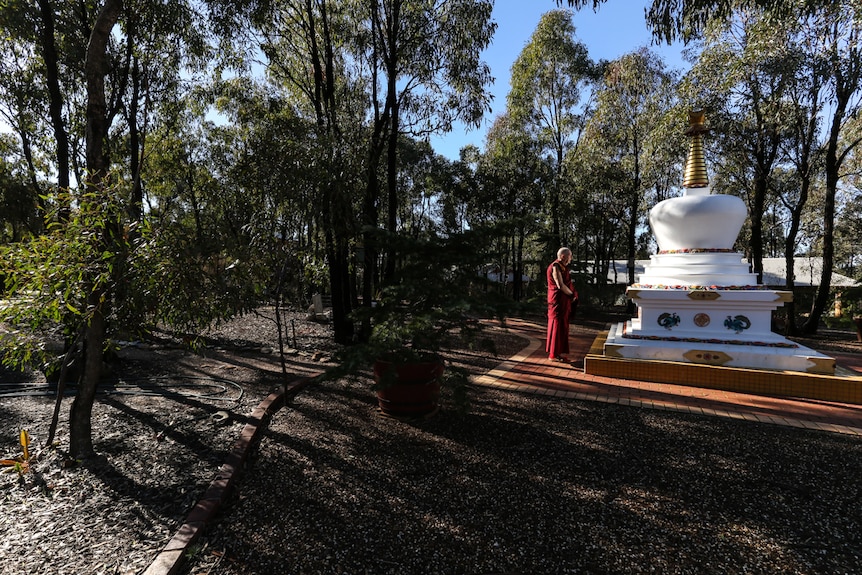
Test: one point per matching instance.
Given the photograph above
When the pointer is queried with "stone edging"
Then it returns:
(169, 560)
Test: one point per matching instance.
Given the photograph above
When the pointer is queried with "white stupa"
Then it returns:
(697, 300)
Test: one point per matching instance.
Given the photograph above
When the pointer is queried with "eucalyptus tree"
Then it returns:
(838, 29)
(848, 232)
(164, 49)
(423, 176)
(598, 205)
(806, 100)
(631, 103)
(426, 55)
(231, 225)
(461, 188)
(513, 175)
(87, 323)
(671, 20)
(306, 45)
(50, 58)
(97, 46)
(43, 57)
(418, 64)
(550, 78)
(210, 240)
(145, 57)
(461, 203)
(97, 283)
(18, 214)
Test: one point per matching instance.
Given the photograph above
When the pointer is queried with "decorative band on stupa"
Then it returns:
(695, 166)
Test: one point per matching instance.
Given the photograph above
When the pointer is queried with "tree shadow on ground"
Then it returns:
(537, 485)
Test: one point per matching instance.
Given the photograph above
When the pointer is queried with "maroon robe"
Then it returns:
(559, 307)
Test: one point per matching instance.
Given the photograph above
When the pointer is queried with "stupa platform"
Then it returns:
(771, 353)
(711, 325)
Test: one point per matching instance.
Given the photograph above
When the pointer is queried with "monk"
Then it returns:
(561, 295)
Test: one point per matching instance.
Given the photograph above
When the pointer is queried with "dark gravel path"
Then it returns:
(529, 484)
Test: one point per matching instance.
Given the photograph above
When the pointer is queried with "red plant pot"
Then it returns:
(408, 389)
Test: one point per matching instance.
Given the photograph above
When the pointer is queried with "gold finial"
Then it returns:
(695, 166)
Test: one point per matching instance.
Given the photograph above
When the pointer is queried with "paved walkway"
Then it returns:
(530, 371)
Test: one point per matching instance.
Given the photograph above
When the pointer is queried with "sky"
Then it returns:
(617, 28)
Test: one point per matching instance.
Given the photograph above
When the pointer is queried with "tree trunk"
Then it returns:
(823, 290)
(756, 242)
(80, 426)
(790, 252)
(370, 212)
(80, 436)
(832, 162)
(556, 237)
(339, 284)
(55, 99)
(392, 26)
(95, 67)
(369, 238)
(518, 288)
(392, 189)
(27, 149)
(136, 206)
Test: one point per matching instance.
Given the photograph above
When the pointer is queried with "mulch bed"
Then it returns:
(162, 427)
(519, 484)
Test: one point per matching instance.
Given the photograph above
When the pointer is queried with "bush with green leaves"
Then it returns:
(437, 301)
(49, 277)
(148, 276)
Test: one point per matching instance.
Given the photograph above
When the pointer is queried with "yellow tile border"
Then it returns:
(760, 382)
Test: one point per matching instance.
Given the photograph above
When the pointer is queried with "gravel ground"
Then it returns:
(528, 484)
(519, 484)
(161, 431)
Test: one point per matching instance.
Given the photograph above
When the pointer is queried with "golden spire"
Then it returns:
(695, 166)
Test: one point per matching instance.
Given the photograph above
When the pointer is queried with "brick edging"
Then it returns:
(169, 560)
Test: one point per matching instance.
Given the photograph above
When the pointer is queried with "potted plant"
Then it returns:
(437, 299)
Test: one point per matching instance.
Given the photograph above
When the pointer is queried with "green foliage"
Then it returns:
(548, 80)
(625, 159)
(18, 206)
(447, 71)
(437, 298)
(851, 302)
(512, 177)
(146, 276)
(672, 20)
(179, 283)
(50, 277)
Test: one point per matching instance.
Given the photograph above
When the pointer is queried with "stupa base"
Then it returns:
(768, 382)
(770, 354)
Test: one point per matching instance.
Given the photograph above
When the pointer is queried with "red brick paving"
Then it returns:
(851, 361)
(532, 372)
